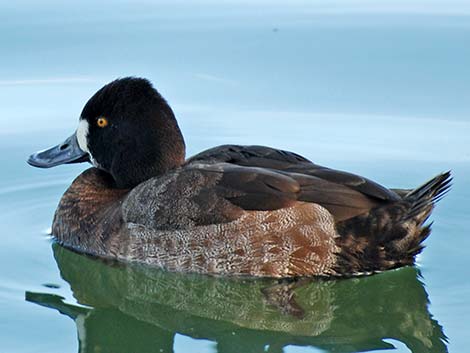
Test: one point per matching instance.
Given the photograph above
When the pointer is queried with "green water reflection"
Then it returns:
(139, 309)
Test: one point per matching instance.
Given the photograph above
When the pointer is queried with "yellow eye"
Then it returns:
(102, 122)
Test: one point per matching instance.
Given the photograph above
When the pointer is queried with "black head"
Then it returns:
(126, 129)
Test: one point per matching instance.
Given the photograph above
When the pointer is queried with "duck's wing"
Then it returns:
(213, 193)
(289, 162)
(218, 185)
(263, 189)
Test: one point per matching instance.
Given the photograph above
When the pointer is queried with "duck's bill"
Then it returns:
(65, 153)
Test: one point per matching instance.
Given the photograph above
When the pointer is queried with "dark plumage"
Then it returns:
(233, 210)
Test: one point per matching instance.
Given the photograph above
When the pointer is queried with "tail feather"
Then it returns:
(390, 236)
(428, 194)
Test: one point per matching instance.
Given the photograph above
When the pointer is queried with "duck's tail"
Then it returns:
(389, 236)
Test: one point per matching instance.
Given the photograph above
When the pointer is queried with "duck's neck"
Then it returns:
(139, 160)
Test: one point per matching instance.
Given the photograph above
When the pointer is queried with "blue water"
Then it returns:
(379, 89)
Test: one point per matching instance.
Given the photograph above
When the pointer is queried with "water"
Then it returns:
(378, 89)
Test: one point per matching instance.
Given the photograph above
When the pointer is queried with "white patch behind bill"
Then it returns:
(82, 135)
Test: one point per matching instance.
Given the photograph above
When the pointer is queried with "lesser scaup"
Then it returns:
(230, 210)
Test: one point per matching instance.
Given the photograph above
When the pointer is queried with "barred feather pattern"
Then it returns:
(297, 241)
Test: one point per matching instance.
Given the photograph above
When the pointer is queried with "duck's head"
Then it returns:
(127, 130)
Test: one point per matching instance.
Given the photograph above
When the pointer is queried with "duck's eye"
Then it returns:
(102, 121)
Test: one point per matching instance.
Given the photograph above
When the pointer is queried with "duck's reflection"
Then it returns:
(138, 309)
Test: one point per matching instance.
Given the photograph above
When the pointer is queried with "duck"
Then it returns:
(232, 210)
